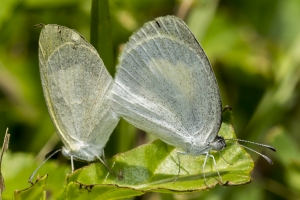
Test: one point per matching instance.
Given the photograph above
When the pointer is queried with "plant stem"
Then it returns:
(101, 33)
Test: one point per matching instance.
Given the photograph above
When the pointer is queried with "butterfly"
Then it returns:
(165, 86)
(76, 87)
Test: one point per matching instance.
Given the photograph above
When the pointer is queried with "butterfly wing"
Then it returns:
(76, 87)
(165, 84)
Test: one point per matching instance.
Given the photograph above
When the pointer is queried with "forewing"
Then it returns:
(76, 87)
(165, 84)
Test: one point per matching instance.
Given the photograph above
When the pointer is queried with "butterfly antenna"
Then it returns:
(259, 144)
(32, 175)
(265, 157)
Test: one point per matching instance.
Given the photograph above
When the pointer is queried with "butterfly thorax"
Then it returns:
(83, 154)
(197, 149)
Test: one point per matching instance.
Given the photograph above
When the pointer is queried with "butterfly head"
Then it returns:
(218, 144)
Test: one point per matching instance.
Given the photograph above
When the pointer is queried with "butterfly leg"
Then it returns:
(104, 163)
(178, 157)
(215, 166)
(203, 166)
(224, 159)
(72, 163)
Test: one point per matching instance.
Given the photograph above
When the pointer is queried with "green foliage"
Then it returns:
(289, 159)
(153, 168)
(36, 191)
(18, 167)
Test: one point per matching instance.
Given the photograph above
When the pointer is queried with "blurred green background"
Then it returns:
(254, 49)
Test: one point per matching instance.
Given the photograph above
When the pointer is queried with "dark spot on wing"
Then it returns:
(157, 24)
(59, 31)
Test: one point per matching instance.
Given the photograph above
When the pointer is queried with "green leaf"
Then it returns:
(36, 191)
(17, 168)
(154, 166)
(78, 191)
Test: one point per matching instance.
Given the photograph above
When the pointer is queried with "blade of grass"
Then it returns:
(101, 33)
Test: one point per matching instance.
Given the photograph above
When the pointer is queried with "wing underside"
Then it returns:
(76, 86)
(165, 84)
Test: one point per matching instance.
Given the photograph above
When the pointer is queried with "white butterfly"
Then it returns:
(165, 86)
(76, 87)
